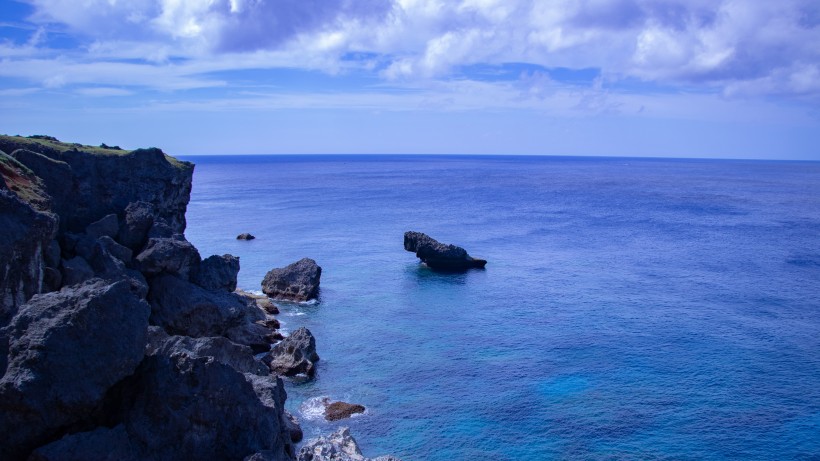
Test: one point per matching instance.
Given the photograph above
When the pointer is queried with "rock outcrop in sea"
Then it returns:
(294, 355)
(296, 282)
(338, 446)
(437, 255)
(117, 340)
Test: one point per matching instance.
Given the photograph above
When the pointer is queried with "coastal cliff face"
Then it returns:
(110, 317)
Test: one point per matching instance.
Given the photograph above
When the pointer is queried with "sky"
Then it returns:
(657, 78)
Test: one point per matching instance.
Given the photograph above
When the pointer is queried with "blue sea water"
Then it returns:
(630, 309)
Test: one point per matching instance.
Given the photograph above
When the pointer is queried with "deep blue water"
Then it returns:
(630, 309)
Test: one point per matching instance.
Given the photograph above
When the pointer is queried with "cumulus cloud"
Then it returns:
(737, 47)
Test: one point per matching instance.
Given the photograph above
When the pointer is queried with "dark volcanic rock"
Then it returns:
(65, 350)
(108, 226)
(169, 255)
(102, 444)
(218, 273)
(76, 270)
(184, 407)
(245, 236)
(139, 217)
(96, 185)
(182, 308)
(25, 233)
(238, 357)
(437, 255)
(294, 355)
(338, 446)
(341, 410)
(298, 281)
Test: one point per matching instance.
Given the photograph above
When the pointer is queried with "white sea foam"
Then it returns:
(313, 409)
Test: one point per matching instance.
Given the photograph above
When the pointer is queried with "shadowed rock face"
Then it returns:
(88, 368)
(65, 350)
(294, 355)
(296, 282)
(437, 255)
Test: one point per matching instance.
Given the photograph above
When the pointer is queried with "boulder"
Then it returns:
(76, 270)
(341, 410)
(170, 256)
(262, 301)
(182, 308)
(139, 217)
(338, 446)
(102, 444)
(179, 406)
(238, 357)
(245, 236)
(297, 282)
(108, 226)
(65, 351)
(218, 273)
(437, 255)
(294, 355)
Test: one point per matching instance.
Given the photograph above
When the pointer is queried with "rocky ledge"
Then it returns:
(437, 255)
(117, 340)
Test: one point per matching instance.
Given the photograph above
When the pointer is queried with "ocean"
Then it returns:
(630, 308)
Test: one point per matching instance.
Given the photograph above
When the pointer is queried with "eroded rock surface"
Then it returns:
(296, 282)
(338, 446)
(437, 255)
(294, 355)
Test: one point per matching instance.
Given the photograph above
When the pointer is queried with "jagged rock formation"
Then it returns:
(335, 411)
(294, 355)
(117, 341)
(437, 255)
(338, 446)
(296, 282)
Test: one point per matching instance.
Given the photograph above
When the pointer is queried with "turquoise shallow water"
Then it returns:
(630, 309)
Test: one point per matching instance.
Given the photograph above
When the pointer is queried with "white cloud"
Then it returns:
(740, 47)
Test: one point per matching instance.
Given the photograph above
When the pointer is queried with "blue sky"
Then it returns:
(660, 78)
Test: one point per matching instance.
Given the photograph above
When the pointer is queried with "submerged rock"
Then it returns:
(338, 446)
(245, 236)
(297, 282)
(341, 410)
(437, 255)
(294, 355)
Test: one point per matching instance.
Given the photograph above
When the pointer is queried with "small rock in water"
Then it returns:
(245, 236)
(341, 410)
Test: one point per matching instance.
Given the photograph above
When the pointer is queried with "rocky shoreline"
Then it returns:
(117, 340)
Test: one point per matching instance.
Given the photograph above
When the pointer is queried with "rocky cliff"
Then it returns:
(117, 340)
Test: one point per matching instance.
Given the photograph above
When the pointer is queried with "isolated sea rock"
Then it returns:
(65, 350)
(218, 273)
(294, 355)
(437, 255)
(297, 282)
(338, 446)
(340, 410)
(245, 236)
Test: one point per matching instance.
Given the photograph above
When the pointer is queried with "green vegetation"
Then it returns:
(23, 182)
(49, 144)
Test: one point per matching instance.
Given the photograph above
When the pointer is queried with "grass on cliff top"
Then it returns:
(22, 181)
(33, 142)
